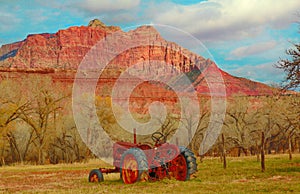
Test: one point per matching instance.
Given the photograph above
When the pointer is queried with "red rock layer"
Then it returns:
(60, 54)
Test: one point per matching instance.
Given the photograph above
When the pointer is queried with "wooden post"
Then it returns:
(224, 152)
(134, 135)
(262, 152)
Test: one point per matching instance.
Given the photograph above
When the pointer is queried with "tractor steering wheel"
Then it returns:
(158, 138)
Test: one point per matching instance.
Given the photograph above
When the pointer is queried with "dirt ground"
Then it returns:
(22, 181)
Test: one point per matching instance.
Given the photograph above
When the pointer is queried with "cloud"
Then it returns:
(112, 12)
(8, 21)
(228, 19)
(9, 16)
(95, 6)
(254, 49)
(265, 73)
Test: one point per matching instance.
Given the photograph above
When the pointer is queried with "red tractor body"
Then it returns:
(138, 162)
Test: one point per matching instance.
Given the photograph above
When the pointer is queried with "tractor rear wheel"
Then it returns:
(185, 164)
(181, 171)
(134, 166)
(96, 176)
(190, 161)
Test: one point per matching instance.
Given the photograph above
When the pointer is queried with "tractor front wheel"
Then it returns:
(96, 176)
(134, 166)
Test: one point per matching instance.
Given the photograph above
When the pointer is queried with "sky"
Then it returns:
(245, 37)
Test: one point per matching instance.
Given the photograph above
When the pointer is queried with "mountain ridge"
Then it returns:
(64, 50)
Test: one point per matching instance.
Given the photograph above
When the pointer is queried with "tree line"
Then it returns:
(36, 124)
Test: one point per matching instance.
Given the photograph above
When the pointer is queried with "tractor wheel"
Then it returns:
(190, 161)
(185, 164)
(181, 170)
(134, 166)
(96, 176)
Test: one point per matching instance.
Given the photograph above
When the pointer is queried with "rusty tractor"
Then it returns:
(141, 162)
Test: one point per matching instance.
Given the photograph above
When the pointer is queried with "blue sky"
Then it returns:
(246, 37)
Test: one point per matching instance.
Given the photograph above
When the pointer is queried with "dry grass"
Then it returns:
(242, 176)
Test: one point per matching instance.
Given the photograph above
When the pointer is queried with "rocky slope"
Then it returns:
(60, 54)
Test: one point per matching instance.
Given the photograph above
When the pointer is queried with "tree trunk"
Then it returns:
(2, 161)
(12, 151)
(262, 151)
(299, 145)
(290, 146)
(224, 153)
(201, 158)
(257, 152)
(40, 158)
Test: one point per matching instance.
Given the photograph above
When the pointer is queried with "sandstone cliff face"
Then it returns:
(65, 49)
(63, 52)
(9, 50)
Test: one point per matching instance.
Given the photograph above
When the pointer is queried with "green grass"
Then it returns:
(243, 175)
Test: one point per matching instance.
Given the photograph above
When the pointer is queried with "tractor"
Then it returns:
(141, 162)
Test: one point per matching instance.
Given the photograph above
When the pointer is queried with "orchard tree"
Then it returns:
(66, 146)
(291, 67)
(240, 121)
(12, 106)
(291, 120)
(41, 114)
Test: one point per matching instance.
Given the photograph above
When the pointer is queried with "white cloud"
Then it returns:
(229, 19)
(8, 21)
(265, 73)
(254, 49)
(95, 6)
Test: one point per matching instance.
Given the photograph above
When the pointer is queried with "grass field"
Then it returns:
(243, 175)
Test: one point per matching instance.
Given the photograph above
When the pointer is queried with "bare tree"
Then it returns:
(239, 123)
(169, 125)
(12, 105)
(28, 111)
(291, 67)
(270, 119)
(66, 146)
(39, 118)
(291, 116)
(280, 121)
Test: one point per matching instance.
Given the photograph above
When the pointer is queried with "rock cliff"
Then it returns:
(64, 50)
